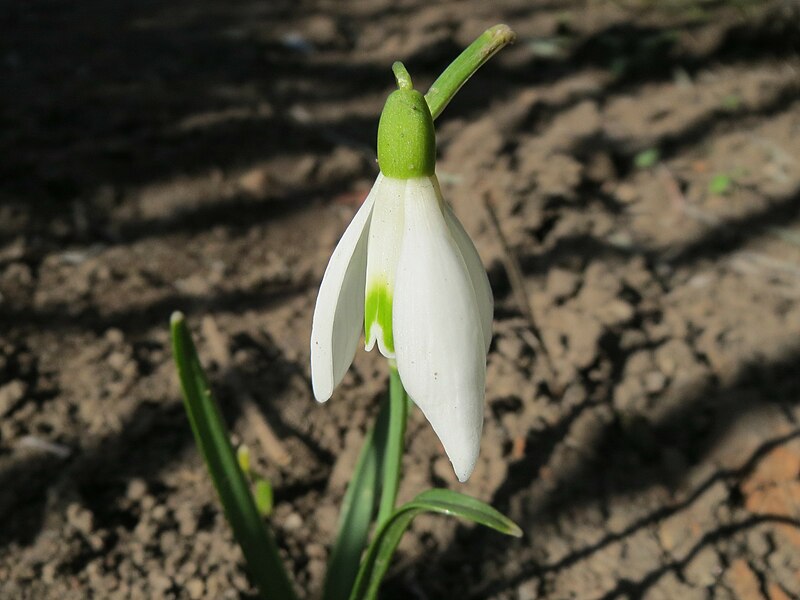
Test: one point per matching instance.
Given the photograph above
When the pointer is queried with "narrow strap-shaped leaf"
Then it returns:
(460, 505)
(380, 552)
(258, 545)
(358, 508)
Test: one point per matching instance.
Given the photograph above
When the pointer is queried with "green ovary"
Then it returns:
(378, 310)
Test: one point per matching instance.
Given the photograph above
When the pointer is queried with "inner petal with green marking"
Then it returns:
(383, 251)
(378, 318)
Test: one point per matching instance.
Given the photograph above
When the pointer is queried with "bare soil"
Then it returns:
(206, 156)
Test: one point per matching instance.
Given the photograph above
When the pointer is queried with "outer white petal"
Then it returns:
(438, 335)
(339, 312)
(477, 274)
(383, 252)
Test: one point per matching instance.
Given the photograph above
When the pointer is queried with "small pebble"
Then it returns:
(195, 588)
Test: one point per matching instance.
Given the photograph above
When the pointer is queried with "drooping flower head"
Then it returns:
(406, 274)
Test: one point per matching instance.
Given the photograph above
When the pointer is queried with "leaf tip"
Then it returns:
(176, 318)
(515, 530)
(503, 33)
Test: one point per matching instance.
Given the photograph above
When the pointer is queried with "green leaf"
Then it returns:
(257, 543)
(358, 508)
(647, 158)
(243, 458)
(731, 102)
(380, 552)
(720, 184)
(263, 497)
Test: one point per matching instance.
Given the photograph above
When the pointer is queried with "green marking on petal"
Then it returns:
(378, 310)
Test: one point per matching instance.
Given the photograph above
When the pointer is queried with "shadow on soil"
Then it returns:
(160, 92)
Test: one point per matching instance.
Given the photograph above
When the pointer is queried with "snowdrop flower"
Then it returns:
(406, 274)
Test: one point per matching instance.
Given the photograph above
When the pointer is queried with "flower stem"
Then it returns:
(393, 454)
(462, 68)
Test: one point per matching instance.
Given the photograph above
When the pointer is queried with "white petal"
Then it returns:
(383, 252)
(438, 335)
(477, 274)
(339, 312)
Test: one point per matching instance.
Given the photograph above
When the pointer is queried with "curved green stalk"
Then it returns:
(393, 452)
(462, 68)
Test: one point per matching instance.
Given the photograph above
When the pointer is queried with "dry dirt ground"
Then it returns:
(206, 155)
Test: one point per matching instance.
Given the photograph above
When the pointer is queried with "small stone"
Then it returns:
(743, 581)
(187, 521)
(776, 592)
(159, 513)
(529, 590)
(10, 394)
(315, 551)
(144, 530)
(49, 573)
(168, 541)
(561, 284)
(626, 193)
(600, 167)
(321, 30)
(148, 502)
(326, 518)
(631, 339)
(137, 488)
(316, 569)
(293, 522)
(18, 274)
(114, 336)
(654, 382)
(628, 396)
(159, 582)
(704, 569)
(255, 182)
(194, 285)
(96, 542)
(510, 346)
(195, 588)
(80, 518)
(117, 361)
(615, 312)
